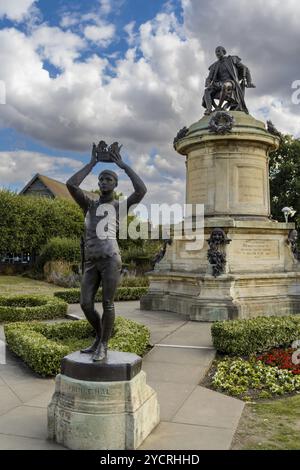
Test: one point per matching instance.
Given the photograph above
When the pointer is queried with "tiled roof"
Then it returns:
(57, 188)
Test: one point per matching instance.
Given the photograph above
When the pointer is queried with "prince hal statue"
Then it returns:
(102, 261)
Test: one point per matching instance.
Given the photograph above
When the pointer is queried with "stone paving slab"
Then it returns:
(8, 400)
(18, 373)
(206, 407)
(26, 421)
(42, 400)
(8, 442)
(174, 373)
(171, 396)
(2, 383)
(175, 436)
(191, 334)
(180, 355)
(30, 389)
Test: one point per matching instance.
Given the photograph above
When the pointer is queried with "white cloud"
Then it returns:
(18, 167)
(59, 47)
(154, 90)
(15, 10)
(101, 34)
(131, 35)
(105, 6)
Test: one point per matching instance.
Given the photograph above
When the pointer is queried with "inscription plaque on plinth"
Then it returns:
(257, 249)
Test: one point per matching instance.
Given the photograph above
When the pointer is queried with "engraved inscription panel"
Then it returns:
(88, 393)
(257, 249)
(198, 183)
(251, 185)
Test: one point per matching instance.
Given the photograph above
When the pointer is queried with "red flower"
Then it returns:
(281, 358)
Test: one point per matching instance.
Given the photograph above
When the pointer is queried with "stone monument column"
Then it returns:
(246, 266)
(228, 173)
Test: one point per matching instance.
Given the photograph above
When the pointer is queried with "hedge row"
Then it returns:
(42, 346)
(135, 281)
(66, 249)
(72, 296)
(31, 307)
(27, 223)
(244, 337)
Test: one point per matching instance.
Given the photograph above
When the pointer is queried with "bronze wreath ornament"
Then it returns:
(221, 122)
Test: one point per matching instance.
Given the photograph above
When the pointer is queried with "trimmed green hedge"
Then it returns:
(31, 307)
(60, 249)
(72, 296)
(135, 281)
(244, 337)
(42, 346)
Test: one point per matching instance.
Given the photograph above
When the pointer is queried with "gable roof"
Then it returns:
(57, 188)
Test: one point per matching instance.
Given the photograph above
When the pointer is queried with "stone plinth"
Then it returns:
(228, 173)
(103, 413)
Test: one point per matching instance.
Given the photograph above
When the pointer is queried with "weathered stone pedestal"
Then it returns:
(102, 405)
(228, 173)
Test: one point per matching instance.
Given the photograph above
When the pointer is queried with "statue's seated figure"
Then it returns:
(226, 82)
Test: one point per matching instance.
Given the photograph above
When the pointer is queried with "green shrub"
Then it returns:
(135, 281)
(60, 249)
(243, 337)
(42, 346)
(72, 296)
(239, 377)
(28, 222)
(62, 273)
(31, 307)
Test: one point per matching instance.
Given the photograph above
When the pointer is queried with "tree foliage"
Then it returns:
(28, 222)
(285, 178)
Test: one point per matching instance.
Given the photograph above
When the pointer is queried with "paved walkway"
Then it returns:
(192, 417)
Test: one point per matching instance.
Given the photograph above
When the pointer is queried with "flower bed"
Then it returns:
(42, 345)
(262, 366)
(31, 307)
(281, 358)
(248, 379)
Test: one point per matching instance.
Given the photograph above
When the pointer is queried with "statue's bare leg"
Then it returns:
(111, 274)
(89, 286)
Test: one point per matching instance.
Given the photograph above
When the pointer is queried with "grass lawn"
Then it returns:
(272, 425)
(22, 285)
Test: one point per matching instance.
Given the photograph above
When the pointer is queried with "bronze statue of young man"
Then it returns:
(102, 256)
(228, 77)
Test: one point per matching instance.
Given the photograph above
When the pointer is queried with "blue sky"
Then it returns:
(79, 71)
(119, 13)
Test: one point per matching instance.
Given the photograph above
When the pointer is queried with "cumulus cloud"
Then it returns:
(15, 10)
(102, 34)
(154, 89)
(61, 48)
(131, 35)
(18, 167)
(84, 101)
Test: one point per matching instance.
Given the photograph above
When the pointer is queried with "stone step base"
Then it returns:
(227, 297)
